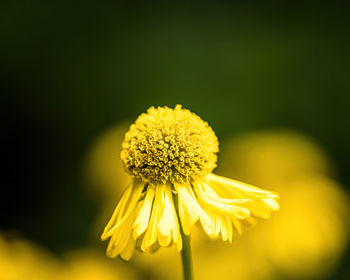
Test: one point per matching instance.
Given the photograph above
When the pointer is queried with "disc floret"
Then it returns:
(169, 145)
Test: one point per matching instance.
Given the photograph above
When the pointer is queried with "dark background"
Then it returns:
(70, 69)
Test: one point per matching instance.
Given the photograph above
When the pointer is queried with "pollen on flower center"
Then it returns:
(169, 145)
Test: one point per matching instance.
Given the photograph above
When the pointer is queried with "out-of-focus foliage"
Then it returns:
(90, 264)
(271, 157)
(309, 235)
(104, 171)
(23, 260)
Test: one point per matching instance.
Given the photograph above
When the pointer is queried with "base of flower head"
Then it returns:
(145, 217)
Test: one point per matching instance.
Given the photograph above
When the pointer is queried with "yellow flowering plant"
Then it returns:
(170, 155)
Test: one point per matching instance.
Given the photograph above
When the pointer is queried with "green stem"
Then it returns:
(186, 248)
(186, 257)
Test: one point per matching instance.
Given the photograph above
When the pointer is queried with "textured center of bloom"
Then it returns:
(169, 145)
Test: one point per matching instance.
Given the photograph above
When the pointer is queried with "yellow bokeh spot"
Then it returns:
(89, 264)
(103, 170)
(307, 237)
(268, 158)
(23, 260)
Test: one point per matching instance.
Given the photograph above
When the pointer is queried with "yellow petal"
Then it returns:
(211, 200)
(239, 189)
(134, 197)
(238, 226)
(261, 203)
(166, 222)
(141, 222)
(117, 212)
(152, 230)
(168, 225)
(194, 211)
(272, 203)
(120, 238)
(129, 250)
(224, 228)
(229, 228)
(187, 219)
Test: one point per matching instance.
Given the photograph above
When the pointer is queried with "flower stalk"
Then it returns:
(186, 256)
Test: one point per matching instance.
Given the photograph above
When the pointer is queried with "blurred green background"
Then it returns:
(69, 70)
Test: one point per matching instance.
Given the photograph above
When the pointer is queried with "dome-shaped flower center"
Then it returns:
(169, 145)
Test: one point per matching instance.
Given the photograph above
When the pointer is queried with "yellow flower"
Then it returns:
(170, 154)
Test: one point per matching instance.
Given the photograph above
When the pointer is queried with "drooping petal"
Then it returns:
(223, 225)
(229, 228)
(187, 219)
(209, 199)
(141, 222)
(238, 225)
(121, 239)
(119, 217)
(165, 224)
(129, 250)
(191, 211)
(118, 212)
(224, 204)
(272, 203)
(151, 234)
(176, 226)
(168, 224)
(261, 203)
(238, 189)
(224, 228)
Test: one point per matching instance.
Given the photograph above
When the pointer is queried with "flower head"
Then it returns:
(169, 145)
(171, 153)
